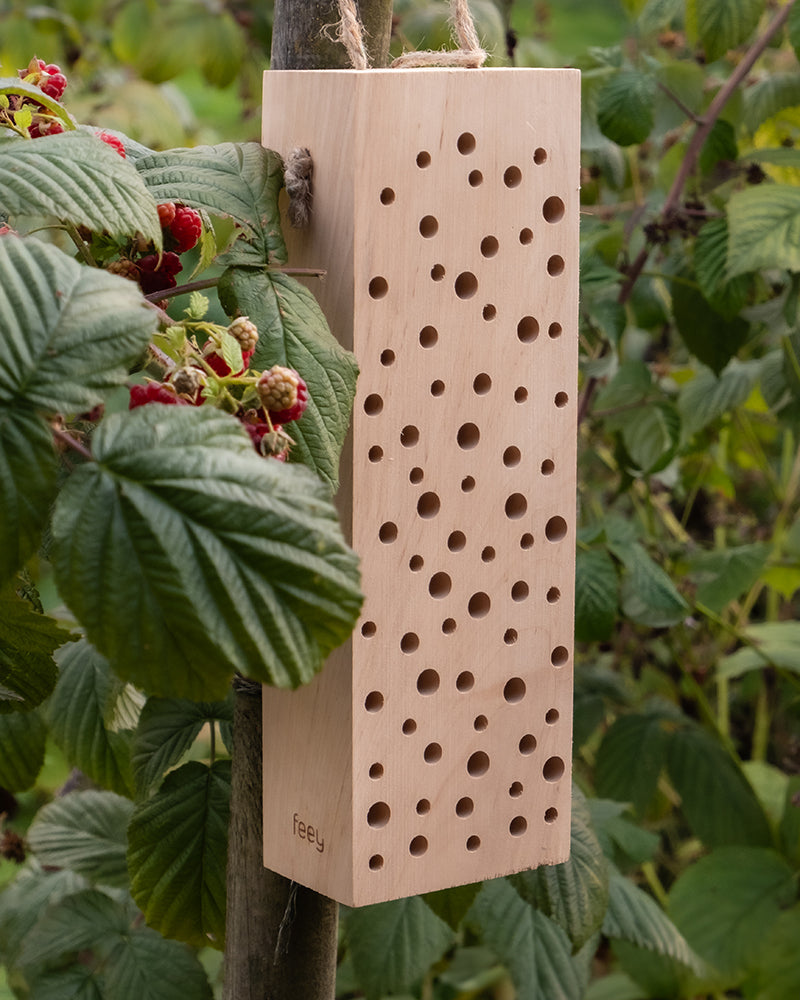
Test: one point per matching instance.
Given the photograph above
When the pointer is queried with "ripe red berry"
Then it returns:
(185, 228)
(155, 277)
(220, 365)
(41, 126)
(153, 392)
(47, 76)
(283, 394)
(166, 213)
(112, 141)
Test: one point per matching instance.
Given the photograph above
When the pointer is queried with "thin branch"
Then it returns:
(676, 100)
(198, 286)
(80, 243)
(72, 442)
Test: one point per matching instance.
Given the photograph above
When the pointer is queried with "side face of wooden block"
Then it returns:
(463, 298)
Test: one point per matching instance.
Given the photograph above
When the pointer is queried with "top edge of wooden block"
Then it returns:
(430, 70)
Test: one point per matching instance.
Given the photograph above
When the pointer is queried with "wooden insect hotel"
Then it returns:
(434, 748)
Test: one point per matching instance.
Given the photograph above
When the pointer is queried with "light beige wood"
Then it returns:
(434, 749)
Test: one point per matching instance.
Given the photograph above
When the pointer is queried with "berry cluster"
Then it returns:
(181, 227)
(23, 113)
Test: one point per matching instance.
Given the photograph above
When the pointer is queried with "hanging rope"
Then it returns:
(351, 34)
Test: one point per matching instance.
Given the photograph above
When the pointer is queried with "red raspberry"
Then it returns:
(284, 395)
(271, 442)
(220, 365)
(41, 126)
(112, 141)
(47, 76)
(166, 213)
(155, 277)
(185, 228)
(245, 332)
(153, 392)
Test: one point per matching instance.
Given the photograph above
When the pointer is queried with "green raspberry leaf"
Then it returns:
(722, 24)
(215, 559)
(625, 107)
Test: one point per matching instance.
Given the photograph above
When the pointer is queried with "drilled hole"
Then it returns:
(374, 701)
(481, 384)
(520, 591)
(368, 629)
(428, 681)
(415, 563)
(554, 331)
(526, 236)
(409, 727)
(428, 505)
(553, 595)
(423, 807)
(511, 456)
(378, 815)
(468, 436)
(553, 769)
(428, 226)
(510, 636)
(387, 357)
(465, 681)
(375, 863)
(551, 815)
(473, 843)
(418, 846)
(475, 178)
(479, 605)
(512, 177)
(526, 542)
(514, 690)
(466, 143)
(376, 771)
(438, 272)
(466, 284)
(456, 541)
(481, 724)
(555, 529)
(478, 764)
(410, 642)
(548, 467)
(527, 744)
(561, 399)
(555, 265)
(437, 387)
(553, 209)
(439, 586)
(465, 807)
(375, 454)
(409, 436)
(488, 553)
(428, 336)
(449, 626)
(517, 826)
(520, 394)
(539, 155)
(467, 484)
(489, 246)
(489, 312)
(432, 753)
(528, 329)
(552, 716)
(388, 532)
(387, 196)
(378, 287)
(373, 404)
(516, 506)
(516, 789)
(416, 475)
(559, 656)
(423, 159)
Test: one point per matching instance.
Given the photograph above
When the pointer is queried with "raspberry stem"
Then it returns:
(72, 231)
(72, 442)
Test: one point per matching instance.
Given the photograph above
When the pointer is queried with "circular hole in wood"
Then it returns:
(517, 826)
(376, 771)
(437, 387)
(559, 656)
(416, 475)
(423, 159)
(551, 717)
(475, 178)
(387, 196)
(478, 764)
(512, 177)
(456, 541)
(553, 769)
(527, 329)
(555, 529)
(479, 605)
(516, 506)
(481, 384)
(480, 724)
(511, 456)
(539, 155)
(553, 595)
(527, 744)
(409, 436)
(415, 563)
(428, 505)
(489, 246)
(489, 312)
(428, 681)
(374, 701)
(432, 753)
(378, 815)
(423, 807)
(409, 727)
(520, 394)
(466, 284)
(375, 454)
(410, 642)
(468, 436)
(553, 209)
(465, 681)
(428, 336)
(554, 331)
(465, 143)
(465, 807)
(449, 626)
(526, 542)
(514, 690)
(487, 553)
(375, 863)
(473, 843)
(510, 636)
(438, 272)
(368, 629)
(439, 585)
(555, 265)
(516, 789)
(373, 404)
(387, 357)
(561, 399)
(526, 236)
(388, 532)
(520, 591)
(428, 226)
(378, 287)
(551, 815)
(467, 484)
(548, 467)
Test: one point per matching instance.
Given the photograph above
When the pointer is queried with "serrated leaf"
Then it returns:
(534, 949)
(625, 107)
(68, 333)
(726, 296)
(631, 757)
(294, 332)
(722, 24)
(658, 14)
(77, 982)
(25, 899)
(775, 644)
(707, 397)
(619, 835)
(167, 729)
(452, 905)
(218, 559)
(630, 384)
(727, 902)
(636, 917)
(240, 180)
(573, 894)
(718, 801)
(651, 438)
(768, 96)
(649, 596)
(596, 595)
(77, 178)
(85, 832)
(178, 848)
(143, 966)
(711, 337)
(393, 944)
(726, 574)
(764, 227)
(81, 702)
(23, 737)
(777, 976)
(27, 642)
